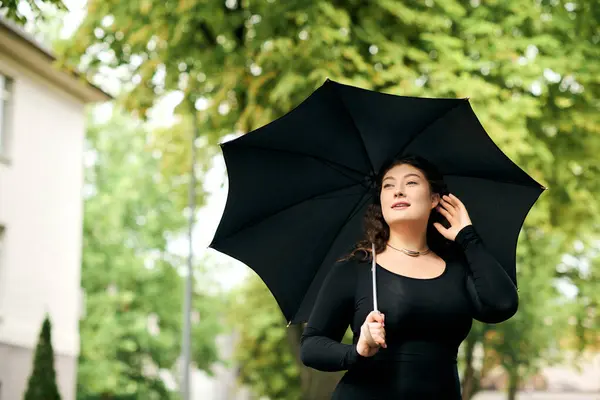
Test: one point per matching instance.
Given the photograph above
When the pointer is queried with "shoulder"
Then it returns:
(339, 281)
(455, 261)
(452, 254)
(345, 267)
(346, 271)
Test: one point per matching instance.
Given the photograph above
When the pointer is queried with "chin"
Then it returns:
(401, 219)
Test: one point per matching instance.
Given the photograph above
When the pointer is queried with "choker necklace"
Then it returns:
(411, 253)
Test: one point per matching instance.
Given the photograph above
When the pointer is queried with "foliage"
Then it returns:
(42, 381)
(36, 8)
(134, 289)
(263, 351)
(530, 68)
(268, 351)
(530, 339)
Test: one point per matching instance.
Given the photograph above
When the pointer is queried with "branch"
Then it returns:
(208, 35)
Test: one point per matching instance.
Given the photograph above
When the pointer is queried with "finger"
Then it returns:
(381, 342)
(447, 203)
(375, 316)
(444, 212)
(374, 334)
(375, 325)
(377, 330)
(441, 229)
(377, 338)
(455, 200)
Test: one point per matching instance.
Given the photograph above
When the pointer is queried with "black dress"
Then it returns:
(425, 322)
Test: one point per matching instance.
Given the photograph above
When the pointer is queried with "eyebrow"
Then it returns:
(406, 176)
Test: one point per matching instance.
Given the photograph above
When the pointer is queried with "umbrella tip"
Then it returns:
(288, 324)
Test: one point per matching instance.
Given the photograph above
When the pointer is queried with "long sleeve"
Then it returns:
(320, 346)
(492, 292)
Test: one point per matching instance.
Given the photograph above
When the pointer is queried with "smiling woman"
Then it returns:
(433, 277)
(416, 183)
(406, 196)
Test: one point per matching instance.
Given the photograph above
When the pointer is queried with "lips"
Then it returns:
(400, 205)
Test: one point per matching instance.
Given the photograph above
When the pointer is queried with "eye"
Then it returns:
(412, 183)
(387, 185)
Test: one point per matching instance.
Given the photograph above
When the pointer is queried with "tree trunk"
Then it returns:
(469, 372)
(470, 383)
(315, 385)
(513, 386)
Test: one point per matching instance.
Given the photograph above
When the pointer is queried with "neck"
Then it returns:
(410, 235)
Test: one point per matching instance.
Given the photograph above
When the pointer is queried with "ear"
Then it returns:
(435, 200)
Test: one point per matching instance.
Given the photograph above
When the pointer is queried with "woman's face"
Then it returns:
(406, 195)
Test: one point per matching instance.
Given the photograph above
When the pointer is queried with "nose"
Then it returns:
(399, 193)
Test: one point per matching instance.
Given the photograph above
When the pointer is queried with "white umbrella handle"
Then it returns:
(373, 267)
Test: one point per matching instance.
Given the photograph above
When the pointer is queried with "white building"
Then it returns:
(41, 175)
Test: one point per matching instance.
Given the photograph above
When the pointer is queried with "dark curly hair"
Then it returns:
(377, 231)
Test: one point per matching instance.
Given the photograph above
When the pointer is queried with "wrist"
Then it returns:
(466, 235)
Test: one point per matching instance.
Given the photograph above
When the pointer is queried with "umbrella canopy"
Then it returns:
(299, 186)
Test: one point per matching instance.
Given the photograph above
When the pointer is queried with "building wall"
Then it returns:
(41, 212)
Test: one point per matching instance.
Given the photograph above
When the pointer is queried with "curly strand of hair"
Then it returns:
(376, 231)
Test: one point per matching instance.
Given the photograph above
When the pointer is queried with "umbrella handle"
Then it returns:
(373, 267)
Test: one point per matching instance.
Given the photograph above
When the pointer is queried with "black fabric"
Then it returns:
(425, 322)
(299, 186)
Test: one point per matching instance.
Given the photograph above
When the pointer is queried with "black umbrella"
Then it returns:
(299, 186)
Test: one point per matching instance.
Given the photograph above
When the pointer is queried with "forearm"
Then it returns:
(325, 354)
(493, 292)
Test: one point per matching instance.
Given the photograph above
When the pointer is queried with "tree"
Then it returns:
(530, 69)
(42, 381)
(268, 352)
(14, 8)
(131, 330)
(266, 359)
(528, 340)
(527, 68)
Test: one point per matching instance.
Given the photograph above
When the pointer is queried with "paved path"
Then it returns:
(538, 396)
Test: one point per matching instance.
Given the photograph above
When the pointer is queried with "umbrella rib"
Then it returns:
(364, 145)
(329, 163)
(351, 214)
(271, 215)
(448, 111)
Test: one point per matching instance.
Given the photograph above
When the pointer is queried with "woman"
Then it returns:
(433, 276)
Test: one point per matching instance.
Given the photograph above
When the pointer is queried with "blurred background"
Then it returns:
(100, 102)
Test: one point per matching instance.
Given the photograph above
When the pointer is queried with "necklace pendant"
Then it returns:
(412, 253)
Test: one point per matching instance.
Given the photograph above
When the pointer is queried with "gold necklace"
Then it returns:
(411, 253)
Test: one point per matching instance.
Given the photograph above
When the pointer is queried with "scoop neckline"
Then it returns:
(414, 278)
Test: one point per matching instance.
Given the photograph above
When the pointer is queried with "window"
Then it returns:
(6, 88)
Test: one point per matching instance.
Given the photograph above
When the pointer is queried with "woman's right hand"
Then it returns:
(372, 335)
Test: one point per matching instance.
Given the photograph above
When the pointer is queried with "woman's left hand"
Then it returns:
(456, 213)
